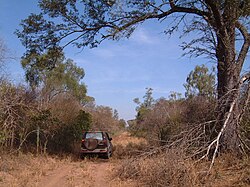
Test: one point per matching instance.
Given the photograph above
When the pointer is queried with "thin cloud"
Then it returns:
(142, 36)
(117, 76)
(105, 53)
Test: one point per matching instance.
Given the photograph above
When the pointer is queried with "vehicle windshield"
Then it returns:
(94, 135)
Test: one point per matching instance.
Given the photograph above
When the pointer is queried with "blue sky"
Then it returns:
(116, 71)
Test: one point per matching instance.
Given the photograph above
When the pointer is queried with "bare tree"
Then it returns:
(15, 108)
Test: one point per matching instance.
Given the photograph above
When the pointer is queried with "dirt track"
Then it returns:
(96, 173)
(93, 172)
(30, 170)
(86, 173)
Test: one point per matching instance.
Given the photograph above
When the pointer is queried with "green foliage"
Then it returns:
(22, 113)
(2, 138)
(148, 99)
(66, 77)
(37, 65)
(82, 123)
(200, 83)
(68, 134)
(88, 23)
(54, 73)
(143, 109)
(146, 105)
(122, 124)
(166, 119)
(175, 96)
(116, 115)
(46, 122)
(216, 24)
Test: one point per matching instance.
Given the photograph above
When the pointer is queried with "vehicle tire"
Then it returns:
(82, 156)
(91, 144)
(107, 155)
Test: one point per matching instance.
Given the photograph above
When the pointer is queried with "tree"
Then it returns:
(36, 65)
(200, 83)
(116, 114)
(147, 104)
(56, 76)
(65, 77)
(103, 118)
(163, 121)
(16, 108)
(217, 25)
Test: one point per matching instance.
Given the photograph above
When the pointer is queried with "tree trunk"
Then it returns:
(228, 88)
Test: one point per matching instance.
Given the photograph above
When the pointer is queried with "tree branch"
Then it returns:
(245, 47)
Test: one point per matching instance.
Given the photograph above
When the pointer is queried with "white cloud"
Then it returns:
(113, 75)
(142, 36)
(105, 53)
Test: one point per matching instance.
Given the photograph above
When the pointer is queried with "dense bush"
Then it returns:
(30, 121)
(167, 119)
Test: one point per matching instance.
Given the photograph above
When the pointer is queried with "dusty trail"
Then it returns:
(100, 174)
(86, 173)
(57, 178)
(29, 170)
(93, 172)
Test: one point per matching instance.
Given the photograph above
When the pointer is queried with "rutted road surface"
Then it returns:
(92, 172)
(87, 173)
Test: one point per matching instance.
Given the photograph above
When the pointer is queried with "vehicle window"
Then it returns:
(94, 135)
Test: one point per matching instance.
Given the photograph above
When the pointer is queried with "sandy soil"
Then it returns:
(87, 173)
(92, 172)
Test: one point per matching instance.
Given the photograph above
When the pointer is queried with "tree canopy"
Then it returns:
(221, 31)
(88, 23)
(200, 82)
(66, 77)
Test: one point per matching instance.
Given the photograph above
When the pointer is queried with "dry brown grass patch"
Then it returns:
(24, 169)
(126, 146)
(168, 169)
(229, 170)
(171, 169)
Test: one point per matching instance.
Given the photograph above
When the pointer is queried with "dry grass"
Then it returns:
(170, 169)
(24, 169)
(125, 138)
(126, 146)
(29, 170)
(167, 169)
(230, 171)
(125, 169)
(100, 172)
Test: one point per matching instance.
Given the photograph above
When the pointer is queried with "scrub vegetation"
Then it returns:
(199, 139)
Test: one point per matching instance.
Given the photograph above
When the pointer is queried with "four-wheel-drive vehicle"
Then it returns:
(96, 142)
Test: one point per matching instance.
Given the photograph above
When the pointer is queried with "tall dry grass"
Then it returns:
(127, 146)
(172, 169)
(165, 169)
(17, 170)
